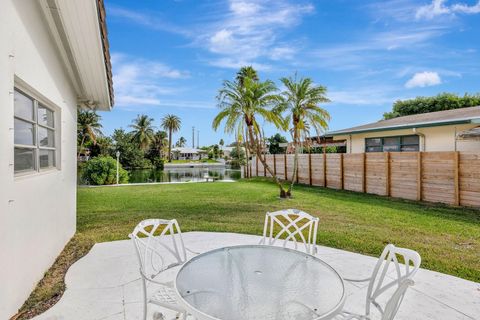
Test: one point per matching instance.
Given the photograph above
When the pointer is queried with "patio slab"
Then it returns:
(105, 284)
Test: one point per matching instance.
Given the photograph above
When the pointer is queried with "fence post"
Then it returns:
(342, 178)
(364, 173)
(457, 178)
(285, 165)
(310, 168)
(256, 166)
(324, 169)
(387, 174)
(296, 178)
(250, 174)
(274, 164)
(419, 176)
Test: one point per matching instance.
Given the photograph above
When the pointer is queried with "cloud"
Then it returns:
(439, 7)
(147, 20)
(139, 81)
(424, 79)
(252, 29)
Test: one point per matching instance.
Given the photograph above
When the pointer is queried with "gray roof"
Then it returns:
(431, 119)
(471, 134)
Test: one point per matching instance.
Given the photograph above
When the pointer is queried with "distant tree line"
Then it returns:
(440, 102)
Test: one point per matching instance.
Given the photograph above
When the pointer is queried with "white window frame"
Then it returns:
(38, 101)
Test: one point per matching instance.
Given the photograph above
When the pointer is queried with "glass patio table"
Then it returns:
(259, 282)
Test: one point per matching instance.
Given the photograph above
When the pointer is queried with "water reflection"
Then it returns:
(182, 174)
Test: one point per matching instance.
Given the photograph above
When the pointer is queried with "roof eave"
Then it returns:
(401, 127)
(89, 69)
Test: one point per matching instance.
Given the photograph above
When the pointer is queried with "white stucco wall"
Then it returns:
(440, 138)
(37, 211)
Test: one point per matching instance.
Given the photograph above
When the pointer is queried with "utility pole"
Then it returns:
(193, 137)
(198, 138)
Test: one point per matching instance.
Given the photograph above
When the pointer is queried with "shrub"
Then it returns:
(158, 163)
(102, 171)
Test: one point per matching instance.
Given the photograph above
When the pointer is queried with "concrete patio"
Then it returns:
(105, 284)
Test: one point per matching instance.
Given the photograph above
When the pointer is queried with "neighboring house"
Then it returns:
(228, 150)
(188, 153)
(450, 130)
(53, 59)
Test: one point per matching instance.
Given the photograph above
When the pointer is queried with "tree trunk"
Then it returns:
(81, 147)
(256, 145)
(295, 163)
(170, 145)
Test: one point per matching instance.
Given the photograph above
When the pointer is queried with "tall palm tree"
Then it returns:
(171, 123)
(160, 141)
(246, 72)
(88, 128)
(181, 142)
(301, 100)
(241, 105)
(143, 132)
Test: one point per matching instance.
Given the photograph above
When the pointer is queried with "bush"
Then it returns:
(158, 163)
(102, 171)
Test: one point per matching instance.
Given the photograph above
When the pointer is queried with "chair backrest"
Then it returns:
(291, 225)
(385, 281)
(159, 246)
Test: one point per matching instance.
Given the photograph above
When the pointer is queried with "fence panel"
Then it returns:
(376, 178)
(303, 169)
(469, 176)
(438, 179)
(334, 170)
(403, 175)
(353, 171)
(290, 158)
(318, 174)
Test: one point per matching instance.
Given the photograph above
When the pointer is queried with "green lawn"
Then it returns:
(448, 239)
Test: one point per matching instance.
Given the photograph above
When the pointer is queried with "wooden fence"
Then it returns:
(446, 177)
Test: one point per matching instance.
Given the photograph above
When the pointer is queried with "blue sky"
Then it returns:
(171, 56)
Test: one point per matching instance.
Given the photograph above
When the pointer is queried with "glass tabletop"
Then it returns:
(259, 282)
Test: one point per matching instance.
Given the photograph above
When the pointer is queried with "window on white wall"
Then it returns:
(34, 134)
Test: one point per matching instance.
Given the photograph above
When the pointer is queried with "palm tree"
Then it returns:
(143, 132)
(171, 123)
(160, 142)
(88, 128)
(246, 72)
(181, 142)
(301, 101)
(241, 104)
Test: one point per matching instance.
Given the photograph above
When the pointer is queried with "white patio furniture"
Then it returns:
(384, 282)
(159, 246)
(289, 226)
(258, 282)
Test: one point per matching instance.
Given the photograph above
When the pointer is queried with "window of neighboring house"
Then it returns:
(393, 144)
(34, 134)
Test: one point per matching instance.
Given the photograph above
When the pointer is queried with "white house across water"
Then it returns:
(54, 58)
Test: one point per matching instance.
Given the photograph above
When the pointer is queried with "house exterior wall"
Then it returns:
(37, 211)
(441, 138)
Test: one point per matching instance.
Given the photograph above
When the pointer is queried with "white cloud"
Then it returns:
(439, 7)
(147, 20)
(251, 29)
(424, 79)
(139, 81)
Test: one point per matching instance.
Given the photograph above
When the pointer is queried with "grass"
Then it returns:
(447, 238)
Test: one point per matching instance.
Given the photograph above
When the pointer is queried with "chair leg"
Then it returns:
(144, 287)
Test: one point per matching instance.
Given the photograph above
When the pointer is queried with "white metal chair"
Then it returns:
(290, 225)
(159, 246)
(380, 282)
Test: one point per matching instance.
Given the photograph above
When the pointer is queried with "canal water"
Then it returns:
(182, 174)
